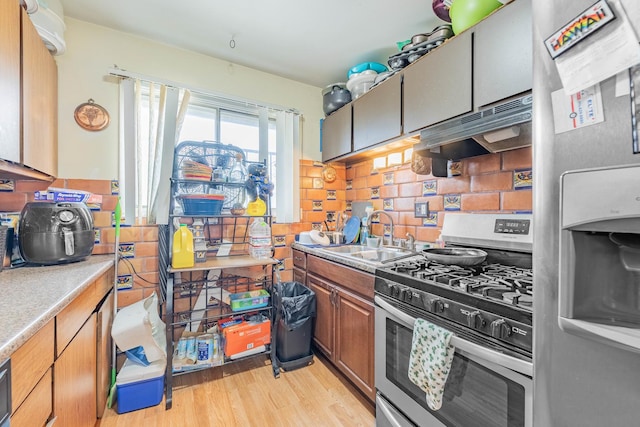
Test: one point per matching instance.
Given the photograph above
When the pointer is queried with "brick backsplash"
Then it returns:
(487, 184)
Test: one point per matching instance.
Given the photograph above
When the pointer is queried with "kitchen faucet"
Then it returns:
(411, 242)
(390, 224)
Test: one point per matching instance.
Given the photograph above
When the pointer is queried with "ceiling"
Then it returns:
(310, 42)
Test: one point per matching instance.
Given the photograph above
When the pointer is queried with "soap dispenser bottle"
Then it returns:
(364, 231)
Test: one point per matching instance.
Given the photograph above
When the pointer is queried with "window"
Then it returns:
(206, 122)
(264, 133)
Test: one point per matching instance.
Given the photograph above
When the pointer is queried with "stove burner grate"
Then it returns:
(510, 284)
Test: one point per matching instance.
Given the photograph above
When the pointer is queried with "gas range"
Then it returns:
(493, 299)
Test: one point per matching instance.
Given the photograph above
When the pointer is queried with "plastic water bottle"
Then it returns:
(183, 254)
(260, 239)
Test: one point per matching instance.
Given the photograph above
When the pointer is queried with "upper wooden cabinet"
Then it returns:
(502, 54)
(377, 114)
(10, 81)
(438, 86)
(39, 102)
(336, 133)
(29, 102)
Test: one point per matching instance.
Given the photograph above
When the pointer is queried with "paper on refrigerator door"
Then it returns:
(581, 109)
(602, 55)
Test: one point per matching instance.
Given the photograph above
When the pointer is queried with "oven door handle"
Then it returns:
(498, 358)
(386, 411)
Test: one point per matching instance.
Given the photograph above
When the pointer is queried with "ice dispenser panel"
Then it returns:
(599, 295)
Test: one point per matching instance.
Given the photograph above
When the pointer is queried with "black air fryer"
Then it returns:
(55, 233)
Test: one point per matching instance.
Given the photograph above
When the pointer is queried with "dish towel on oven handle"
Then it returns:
(430, 360)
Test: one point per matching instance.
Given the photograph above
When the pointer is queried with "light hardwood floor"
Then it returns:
(247, 394)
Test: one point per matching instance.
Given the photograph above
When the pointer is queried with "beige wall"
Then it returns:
(83, 74)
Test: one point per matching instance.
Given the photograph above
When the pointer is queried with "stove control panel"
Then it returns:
(483, 321)
(512, 226)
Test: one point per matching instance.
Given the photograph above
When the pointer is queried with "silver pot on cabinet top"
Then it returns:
(335, 96)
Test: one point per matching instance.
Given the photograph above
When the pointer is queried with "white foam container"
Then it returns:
(139, 324)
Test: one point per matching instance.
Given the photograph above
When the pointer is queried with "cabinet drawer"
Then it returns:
(299, 275)
(30, 362)
(72, 317)
(37, 407)
(299, 259)
(346, 277)
(104, 285)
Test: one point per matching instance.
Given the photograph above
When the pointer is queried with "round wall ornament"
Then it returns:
(329, 173)
(91, 116)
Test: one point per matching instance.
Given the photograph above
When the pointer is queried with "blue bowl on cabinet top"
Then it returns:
(375, 66)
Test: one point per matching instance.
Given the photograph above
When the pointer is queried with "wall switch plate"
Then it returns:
(422, 210)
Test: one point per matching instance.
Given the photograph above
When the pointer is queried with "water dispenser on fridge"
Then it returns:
(599, 293)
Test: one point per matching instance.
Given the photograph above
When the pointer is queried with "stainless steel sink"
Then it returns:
(370, 255)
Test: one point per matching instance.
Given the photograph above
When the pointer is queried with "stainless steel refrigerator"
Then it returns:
(587, 221)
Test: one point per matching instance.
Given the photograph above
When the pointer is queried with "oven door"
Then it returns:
(480, 391)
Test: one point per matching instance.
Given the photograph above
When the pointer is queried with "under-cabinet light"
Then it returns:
(408, 154)
(394, 159)
(379, 163)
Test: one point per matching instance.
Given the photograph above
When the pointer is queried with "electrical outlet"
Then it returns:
(422, 210)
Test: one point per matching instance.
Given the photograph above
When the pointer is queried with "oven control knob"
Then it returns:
(500, 329)
(436, 306)
(475, 320)
(394, 290)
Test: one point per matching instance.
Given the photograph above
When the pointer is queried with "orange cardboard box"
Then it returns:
(245, 336)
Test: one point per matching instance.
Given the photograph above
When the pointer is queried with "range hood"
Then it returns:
(504, 126)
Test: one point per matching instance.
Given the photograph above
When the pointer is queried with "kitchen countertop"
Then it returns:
(31, 296)
(350, 262)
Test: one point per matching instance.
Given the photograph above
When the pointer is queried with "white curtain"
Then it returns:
(287, 182)
(147, 160)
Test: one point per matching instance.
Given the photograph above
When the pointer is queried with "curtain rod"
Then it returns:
(119, 72)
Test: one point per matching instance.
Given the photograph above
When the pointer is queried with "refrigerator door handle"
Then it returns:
(625, 338)
(476, 350)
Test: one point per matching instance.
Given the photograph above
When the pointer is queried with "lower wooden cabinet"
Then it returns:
(36, 408)
(344, 326)
(75, 379)
(354, 331)
(31, 392)
(56, 373)
(104, 321)
(324, 329)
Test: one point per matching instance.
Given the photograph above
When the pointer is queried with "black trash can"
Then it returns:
(295, 308)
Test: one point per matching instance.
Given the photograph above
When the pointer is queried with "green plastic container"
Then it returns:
(467, 13)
